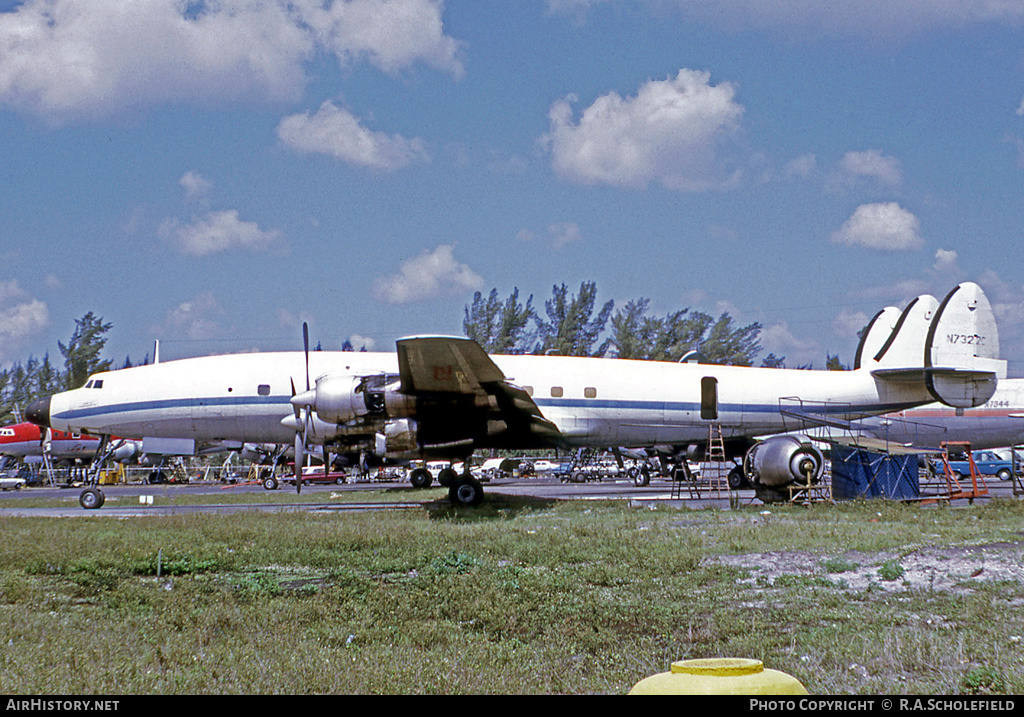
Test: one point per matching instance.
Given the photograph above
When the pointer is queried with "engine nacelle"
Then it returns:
(340, 398)
(343, 398)
(778, 461)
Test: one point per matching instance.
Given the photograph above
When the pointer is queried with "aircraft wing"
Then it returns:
(444, 364)
(450, 369)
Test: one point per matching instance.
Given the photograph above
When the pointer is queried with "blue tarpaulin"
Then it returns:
(862, 474)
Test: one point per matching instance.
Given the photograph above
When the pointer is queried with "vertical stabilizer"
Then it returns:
(963, 341)
(876, 333)
(905, 346)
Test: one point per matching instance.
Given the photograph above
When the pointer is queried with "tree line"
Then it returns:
(26, 381)
(572, 325)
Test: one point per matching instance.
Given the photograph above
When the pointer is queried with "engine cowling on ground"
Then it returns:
(778, 461)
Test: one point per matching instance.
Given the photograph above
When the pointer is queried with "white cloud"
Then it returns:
(390, 34)
(194, 184)
(20, 318)
(803, 166)
(670, 132)
(945, 262)
(361, 343)
(336, 132)
(872, 165)
(427, 276)
(779, 340)
(66, 58)
(848, 322)
(883, 226)
(198, 319)
(558, 234)
(218, 231)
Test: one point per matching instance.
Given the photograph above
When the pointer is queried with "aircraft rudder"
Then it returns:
(962, 353)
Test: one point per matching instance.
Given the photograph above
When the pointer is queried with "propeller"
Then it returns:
(302, 412)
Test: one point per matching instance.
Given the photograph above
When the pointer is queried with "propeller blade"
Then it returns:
(305, 347)
(299, 455)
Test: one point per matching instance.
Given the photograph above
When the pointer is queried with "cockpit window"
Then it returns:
(98, 383)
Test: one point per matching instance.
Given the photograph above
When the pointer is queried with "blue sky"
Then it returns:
(211, 174)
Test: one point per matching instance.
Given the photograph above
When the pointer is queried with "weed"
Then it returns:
(983, 681)
(838, 565)
(891, 570)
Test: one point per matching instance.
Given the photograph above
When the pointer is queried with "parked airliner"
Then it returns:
(444, 397)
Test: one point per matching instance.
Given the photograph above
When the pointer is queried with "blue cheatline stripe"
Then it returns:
(563, 403)
(694, 406)
(177, 403)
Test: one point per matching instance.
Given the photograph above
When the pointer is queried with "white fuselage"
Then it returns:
(593, 402)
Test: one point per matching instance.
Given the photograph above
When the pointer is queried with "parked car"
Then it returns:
(988, 463)
(315, 474)
(12, 481)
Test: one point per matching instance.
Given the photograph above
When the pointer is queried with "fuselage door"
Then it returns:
(709, 398)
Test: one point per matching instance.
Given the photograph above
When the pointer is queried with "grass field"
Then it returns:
(519, 596)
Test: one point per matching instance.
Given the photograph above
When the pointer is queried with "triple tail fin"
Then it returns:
(952, 346)
(875, 335)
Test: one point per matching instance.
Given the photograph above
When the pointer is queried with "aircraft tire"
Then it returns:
(736, 478)
(270, 483)
(640, 476)
(447, 477)
(467, 491)
(91, 498)
(420, 478)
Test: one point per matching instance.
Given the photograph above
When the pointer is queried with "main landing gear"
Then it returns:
(463, 488)
(466, 490)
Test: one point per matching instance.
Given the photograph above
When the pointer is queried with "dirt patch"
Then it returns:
(950, 569)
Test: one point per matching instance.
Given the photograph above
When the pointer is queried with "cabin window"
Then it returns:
(529, 390)
(590, 392)
(709, 398)
(556, 392)
(263, 389)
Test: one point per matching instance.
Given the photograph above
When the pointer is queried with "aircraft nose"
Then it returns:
(38, 412)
